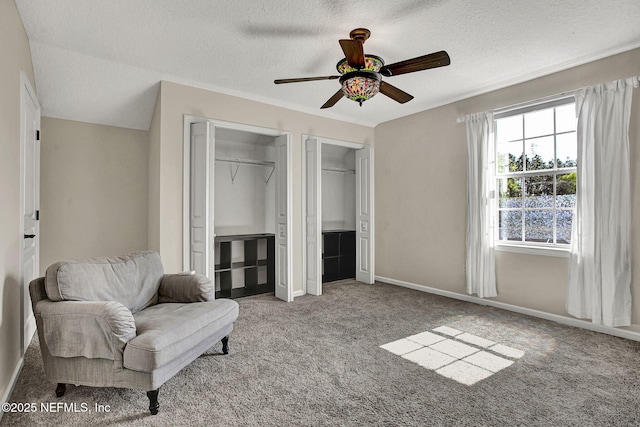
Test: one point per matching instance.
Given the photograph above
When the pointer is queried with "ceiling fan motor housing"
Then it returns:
(371, 63)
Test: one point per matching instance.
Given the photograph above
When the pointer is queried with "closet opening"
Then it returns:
(244, 213)
(338, 213)
(239, 202)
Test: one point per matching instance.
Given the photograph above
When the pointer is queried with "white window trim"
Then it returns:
(528, 248)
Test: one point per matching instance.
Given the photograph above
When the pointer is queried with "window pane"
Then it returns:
(539, 191)
(509, 129)
(566, 118)
(538, 226)
(539, 153)
(509, 157)
(564, 219)
(510, 225)
(567, 149)
(566, 190)
(538, 123)
(510, 192)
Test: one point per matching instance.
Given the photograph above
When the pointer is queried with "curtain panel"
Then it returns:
(480, 251)
(600, 257)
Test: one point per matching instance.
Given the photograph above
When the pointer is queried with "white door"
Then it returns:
(313, 183)
(201, 200)
(364, 216)
(30, 179)
(283, 221)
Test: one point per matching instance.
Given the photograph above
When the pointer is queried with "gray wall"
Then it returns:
(421, 185)
(94, 186)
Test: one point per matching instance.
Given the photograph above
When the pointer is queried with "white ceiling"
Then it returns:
(101, 61)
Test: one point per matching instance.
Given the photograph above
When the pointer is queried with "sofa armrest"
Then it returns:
(93, 329)
(185, 288)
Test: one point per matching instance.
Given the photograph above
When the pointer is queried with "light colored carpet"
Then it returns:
(318, 361)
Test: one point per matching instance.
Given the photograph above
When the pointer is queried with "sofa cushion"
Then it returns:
(131, 280)
(165, 331)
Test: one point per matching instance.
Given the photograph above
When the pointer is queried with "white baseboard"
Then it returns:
(12, 383)
(298, 293)
(622, 333)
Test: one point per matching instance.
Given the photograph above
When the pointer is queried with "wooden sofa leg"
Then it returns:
(225, 345)
(153, 401)
(62, 387)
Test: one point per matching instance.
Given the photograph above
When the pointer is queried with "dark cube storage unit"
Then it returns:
(252, 264)
(338, 255)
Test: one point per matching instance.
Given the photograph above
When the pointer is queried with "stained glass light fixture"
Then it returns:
(361, 84)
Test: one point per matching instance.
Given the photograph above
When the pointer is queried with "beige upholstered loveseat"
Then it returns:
(122, 322)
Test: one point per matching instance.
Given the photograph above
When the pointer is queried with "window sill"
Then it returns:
(533, 250)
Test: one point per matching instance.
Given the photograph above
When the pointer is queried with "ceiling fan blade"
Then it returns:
(432, 60)
(335, 98)
(395, 93)
(305, 79)
(354, 52)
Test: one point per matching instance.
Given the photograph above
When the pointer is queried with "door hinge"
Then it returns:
(37, 135)
(37, 215)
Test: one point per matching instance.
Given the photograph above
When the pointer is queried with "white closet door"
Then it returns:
(283, 265)
(201, 200)
(313, 182)
(364, 216)
(30, 197)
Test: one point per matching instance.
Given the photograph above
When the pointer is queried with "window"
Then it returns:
(536, 159)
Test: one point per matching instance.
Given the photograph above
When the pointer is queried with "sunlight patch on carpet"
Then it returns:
(454, 354)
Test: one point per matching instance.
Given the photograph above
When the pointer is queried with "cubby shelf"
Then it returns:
(258, 265)
(338, 255)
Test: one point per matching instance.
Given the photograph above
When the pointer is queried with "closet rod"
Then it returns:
(339, 170)
(245, 161)
(237, 162)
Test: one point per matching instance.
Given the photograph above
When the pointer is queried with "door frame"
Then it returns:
(27, 321)
(345, 144)
(187, 121)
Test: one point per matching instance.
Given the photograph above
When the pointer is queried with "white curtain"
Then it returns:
(480, 253)
(600, 259)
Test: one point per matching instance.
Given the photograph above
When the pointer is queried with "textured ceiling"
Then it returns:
(101, 61)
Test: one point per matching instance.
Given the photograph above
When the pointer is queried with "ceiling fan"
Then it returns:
(361, 75)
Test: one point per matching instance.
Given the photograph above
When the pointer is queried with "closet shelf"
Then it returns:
(241, 265)
(237, 162)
